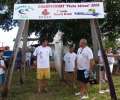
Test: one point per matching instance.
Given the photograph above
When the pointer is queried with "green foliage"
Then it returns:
(109, 44)
(111, 23)
(6, 21)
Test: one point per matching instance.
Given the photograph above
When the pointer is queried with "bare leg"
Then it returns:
(40, 86)
(81, 89)
(45, 85)
(111, 68)
(86, 89)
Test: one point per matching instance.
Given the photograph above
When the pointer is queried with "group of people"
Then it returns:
(82, 62)
(19, 58)
(76, 66)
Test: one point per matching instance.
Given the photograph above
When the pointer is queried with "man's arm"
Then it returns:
(113, 55)
(63, 63)
(92, 64)
(76, 64)
(63, 66)
(3, 66)
(90, 57)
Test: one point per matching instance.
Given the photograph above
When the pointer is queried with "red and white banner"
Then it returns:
(49, 11)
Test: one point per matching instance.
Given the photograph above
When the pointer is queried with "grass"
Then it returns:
(57, 89)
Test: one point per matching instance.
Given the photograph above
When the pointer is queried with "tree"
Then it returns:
(48, 28)
(111, 24)
(6, 21)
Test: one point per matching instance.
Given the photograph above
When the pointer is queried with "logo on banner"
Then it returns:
(90, 12)
(45, 12)
(24, 10)
(62, 13)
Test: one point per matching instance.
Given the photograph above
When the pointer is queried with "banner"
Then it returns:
(49, 11)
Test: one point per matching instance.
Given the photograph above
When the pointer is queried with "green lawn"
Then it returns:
(57, 89)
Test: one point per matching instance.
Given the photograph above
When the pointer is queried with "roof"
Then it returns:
(2, 48)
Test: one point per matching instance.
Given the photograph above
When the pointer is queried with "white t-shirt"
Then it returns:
(2, 63)
(101, 61)
(84, 55)
(70, 59)
(28, 56)
(43, 54)
(111, 60)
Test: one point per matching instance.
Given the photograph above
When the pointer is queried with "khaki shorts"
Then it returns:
(70, 76)
(43, 73)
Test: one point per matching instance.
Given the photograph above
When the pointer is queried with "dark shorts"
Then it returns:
(2, 79)
(83, 76)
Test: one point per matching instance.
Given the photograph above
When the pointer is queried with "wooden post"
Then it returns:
(16, 47)
(95, 47)
(108, 73)
(25, 37)
(94, 39)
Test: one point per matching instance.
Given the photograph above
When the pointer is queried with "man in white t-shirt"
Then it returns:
(43, 54)
(70, 65)
(84, 65)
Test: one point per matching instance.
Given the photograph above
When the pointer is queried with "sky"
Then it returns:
(6, 38)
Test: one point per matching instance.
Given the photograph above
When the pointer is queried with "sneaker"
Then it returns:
(107, 90)
(77, 94)
(84, 97)
(101, 91)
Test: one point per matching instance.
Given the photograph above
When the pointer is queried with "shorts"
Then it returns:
(83, 76)
(2, 79)
(70, 76)
(102, 68)
(43, 73)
